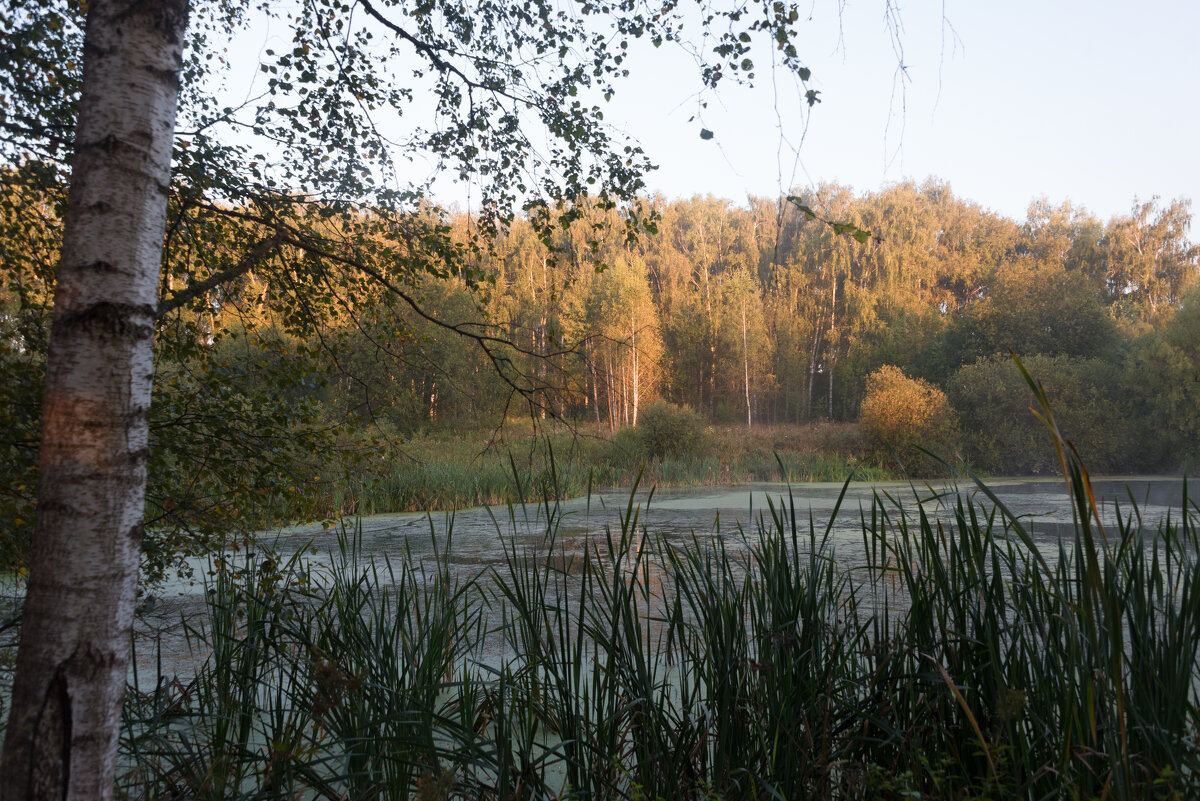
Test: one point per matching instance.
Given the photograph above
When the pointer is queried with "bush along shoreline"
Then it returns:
(960, 661)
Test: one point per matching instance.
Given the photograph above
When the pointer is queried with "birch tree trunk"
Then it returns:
(624, 394)
(595, 380)
(608, 389)
(746, 365)
(636, 371)
(711, 333)
(812, 372)
(833, 338)
(832, 368)
(72, 664)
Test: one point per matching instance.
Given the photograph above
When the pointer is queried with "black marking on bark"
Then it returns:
(99, 266)
(169, 16)
(119, 321)
(53, 506)
(100, 207)
(136, 533)
(168, 77)
(109, 144)
(50, 762)
(94, 49)
(92, 664)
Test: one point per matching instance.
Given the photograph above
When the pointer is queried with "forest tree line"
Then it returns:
(761, 315)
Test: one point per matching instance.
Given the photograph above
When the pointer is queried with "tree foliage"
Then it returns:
(902, 415)
(1001, 435)
(1162, 378)
(1032, 309)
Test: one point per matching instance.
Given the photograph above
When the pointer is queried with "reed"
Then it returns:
(959, 661)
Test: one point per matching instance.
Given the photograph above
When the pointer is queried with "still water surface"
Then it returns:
(476, 539)
(478, 536)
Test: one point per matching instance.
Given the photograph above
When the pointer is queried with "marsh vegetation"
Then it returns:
(952, 657)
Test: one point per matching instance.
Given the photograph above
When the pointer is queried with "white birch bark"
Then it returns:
(72, 664)
(608, 389)
(591, 362)
(746, 366)
(832, 337)
(812, 371)
(636, 372)
(624, 391)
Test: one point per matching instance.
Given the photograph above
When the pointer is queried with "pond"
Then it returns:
(477, 538)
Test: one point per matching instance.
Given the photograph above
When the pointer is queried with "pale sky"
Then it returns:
(1091, 101)
(1095, 102)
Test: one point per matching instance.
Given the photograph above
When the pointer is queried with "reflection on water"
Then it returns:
(475, 540)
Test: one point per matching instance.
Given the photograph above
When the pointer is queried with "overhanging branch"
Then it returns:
(244, 265)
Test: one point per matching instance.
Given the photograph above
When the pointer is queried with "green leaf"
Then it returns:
(802, 207)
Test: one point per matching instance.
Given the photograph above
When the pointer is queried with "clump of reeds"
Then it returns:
(957, 661)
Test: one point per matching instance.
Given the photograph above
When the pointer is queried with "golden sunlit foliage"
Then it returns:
(899, 413)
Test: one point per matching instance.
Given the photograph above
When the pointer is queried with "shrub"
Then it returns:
(627, 447)
(900, 413)
(667, 429)
(1001, 435)
(1162, 379)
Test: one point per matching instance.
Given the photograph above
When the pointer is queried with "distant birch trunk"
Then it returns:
(812, 372)
(63, 726)
(746, 365)
(595, 380)
(539, 348)
(832, 337)
(608, 389)
(832, 368)
(637, 377)
(624, 393)
(711, 333)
